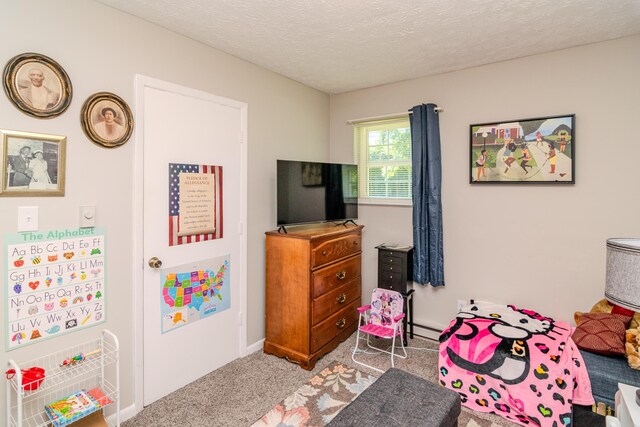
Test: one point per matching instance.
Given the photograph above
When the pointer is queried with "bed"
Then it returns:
(515, 363)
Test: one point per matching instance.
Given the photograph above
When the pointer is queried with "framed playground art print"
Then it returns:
(527, 151)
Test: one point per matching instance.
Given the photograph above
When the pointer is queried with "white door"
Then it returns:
(188, 127)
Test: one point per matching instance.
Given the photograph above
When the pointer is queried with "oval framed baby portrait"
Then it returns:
(106, 120)
(37, 85)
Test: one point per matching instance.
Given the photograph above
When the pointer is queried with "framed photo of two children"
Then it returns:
(525, 151)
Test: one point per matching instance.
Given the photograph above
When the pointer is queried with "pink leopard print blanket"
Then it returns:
(514, 363)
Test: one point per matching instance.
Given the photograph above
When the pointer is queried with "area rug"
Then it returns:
(318, 401)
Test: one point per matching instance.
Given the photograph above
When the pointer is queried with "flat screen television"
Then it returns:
(316, 192)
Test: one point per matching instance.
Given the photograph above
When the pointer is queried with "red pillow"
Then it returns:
(602, 333)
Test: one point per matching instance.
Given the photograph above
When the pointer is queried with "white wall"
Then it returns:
(542, 247)
(102, 49)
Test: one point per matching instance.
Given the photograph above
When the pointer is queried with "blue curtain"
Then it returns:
(428, 257)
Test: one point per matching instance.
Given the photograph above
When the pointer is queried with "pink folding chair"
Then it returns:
(382, 319)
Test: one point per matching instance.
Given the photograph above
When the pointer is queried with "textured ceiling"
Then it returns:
(342, 45)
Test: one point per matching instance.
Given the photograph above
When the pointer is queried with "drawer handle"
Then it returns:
(324, 253)
(390, 277)
(355, 243)
(341, 274)
(390, 268)
(340, 323)
(341, 298)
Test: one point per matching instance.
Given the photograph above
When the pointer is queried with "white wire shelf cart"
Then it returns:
(26, 402)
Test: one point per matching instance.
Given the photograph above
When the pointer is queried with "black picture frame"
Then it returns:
(538, 150)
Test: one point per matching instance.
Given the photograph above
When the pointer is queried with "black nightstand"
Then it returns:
(395, 272)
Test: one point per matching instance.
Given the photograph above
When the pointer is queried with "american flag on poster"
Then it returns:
(175, 169)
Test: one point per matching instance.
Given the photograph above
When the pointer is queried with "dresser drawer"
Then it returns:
(391, 268)
(334, 300)
(393, 281)
(328, 329)
(390, 277)
(396, 254)
(392, 260)
(334, 249)
(335, 275)
(394, 286)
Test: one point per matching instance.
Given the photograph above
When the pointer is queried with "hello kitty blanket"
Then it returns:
(515, 363)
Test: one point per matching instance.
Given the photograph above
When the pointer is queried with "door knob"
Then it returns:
(154, 262)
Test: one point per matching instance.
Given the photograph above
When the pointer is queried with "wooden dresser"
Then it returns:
(313, 291)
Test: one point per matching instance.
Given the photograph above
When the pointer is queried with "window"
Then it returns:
(383, 152)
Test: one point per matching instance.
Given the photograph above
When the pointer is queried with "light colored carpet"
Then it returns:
(241, 392)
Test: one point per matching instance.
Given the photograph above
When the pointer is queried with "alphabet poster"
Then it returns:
(192, 292)
(195, 203)
(55, 283)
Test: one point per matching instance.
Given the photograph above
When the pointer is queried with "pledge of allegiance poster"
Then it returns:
(192, 292)
(195, 203)
(55, 283)
(197, 211)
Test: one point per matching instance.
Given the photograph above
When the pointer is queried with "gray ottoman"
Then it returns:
(399, 398)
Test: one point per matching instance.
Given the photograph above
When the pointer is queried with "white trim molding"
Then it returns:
(256, 346)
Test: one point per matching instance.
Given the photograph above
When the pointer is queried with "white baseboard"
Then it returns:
(255, 346)
(125, 414)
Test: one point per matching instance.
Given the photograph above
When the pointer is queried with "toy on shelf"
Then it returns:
(76, 405)
(79, 358)
(31, 378)
(70, 408)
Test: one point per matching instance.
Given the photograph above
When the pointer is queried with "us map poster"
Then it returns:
(55, 283)
(192, 292)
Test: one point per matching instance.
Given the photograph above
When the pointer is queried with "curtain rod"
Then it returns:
(387, 116)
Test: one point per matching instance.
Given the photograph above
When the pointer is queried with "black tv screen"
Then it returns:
(316, 192)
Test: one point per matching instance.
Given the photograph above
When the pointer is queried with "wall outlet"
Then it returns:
(461, 303)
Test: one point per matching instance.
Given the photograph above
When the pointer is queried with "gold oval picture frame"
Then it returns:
(106, 119)
(37, 85)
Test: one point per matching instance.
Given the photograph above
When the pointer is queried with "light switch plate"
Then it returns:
(27, 218)
(87, 216)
